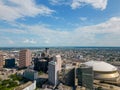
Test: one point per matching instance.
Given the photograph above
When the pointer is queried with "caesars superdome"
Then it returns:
(103, 70)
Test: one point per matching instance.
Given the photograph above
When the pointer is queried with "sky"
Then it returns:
(59, 23)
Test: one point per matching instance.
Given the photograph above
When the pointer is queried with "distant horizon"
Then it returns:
(58, 46)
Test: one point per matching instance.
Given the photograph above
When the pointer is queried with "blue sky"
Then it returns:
(59, 23)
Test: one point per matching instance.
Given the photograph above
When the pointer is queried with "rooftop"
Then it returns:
(21, 87)
(52, 62)
(101, 66)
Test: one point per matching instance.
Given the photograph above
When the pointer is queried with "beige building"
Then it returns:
(1, 60)
(25, 58)
(58, 60)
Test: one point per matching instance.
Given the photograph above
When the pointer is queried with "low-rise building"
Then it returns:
(27, 86)
(30, 74)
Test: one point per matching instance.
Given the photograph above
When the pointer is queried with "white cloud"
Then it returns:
(83, 18)
(60, 2)
(74, 4)
(54, 1)
(14, 31)
(10, 41)
(103, 34)
(106, 34)
(98, 4)
(11, 10)
(6, 40)
(29, 41)
(111, 26)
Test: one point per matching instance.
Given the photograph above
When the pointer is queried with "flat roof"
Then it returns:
(21, 87)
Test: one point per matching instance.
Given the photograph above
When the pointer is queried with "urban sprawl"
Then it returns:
(78, 68)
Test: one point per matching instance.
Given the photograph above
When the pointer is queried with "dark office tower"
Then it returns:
(40, 64)
(1, 60)
(69, 76)
(85, 77)
(10, 63)
(47, 50)
(25, 58)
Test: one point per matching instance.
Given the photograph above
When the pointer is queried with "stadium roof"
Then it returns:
(101, 66)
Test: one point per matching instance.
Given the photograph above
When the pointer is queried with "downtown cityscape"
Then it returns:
(59, 44)
(60, 68)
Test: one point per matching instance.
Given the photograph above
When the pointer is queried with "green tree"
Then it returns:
(40, 72)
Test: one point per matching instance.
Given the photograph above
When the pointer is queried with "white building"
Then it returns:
(52, 72)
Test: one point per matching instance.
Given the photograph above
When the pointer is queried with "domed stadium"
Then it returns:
(103, 70)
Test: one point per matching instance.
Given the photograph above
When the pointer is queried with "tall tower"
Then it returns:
(25, 58)
(85, 77)
(1, 60)
(58, 60)
(47, 50)
(52, 73)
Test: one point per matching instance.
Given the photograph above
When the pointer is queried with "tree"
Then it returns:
(40, 72)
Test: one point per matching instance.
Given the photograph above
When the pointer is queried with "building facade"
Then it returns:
(10, 63)
(58, 61)
(30, 74)
(1, 60)
(69, 76)
(85, 77)
(41, 65)
(53, 73)
(25, 58)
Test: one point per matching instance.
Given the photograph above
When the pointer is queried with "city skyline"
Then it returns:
(59, 23)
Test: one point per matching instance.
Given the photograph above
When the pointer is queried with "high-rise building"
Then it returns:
(25, 58)
(10, 63)
(68, 76)
(41, 64)
(47, 50)
(58, 60)
(85, 77)
(1, 60)
(53, 73)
